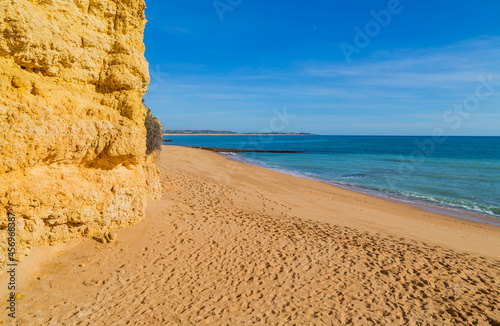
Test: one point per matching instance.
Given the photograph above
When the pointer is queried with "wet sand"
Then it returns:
(234, 244)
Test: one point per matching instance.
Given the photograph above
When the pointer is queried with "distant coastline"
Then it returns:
(229, 133)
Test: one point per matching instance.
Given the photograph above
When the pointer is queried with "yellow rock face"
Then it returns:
(73, 157)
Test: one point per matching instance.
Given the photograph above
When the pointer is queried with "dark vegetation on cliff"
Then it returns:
(154, 137)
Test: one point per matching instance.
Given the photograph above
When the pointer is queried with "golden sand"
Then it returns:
(233, 244)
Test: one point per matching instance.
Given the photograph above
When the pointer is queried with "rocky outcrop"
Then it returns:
(72, 137)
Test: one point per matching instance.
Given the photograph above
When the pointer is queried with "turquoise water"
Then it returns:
(461, 173)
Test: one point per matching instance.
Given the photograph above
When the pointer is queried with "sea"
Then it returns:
(456, 176)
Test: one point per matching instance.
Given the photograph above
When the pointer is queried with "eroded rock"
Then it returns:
(72, 76)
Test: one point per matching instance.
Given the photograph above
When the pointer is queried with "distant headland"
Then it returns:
(225, 132)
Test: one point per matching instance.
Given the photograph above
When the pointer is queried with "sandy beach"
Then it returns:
(234, 244)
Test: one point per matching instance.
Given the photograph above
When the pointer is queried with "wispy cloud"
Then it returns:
(384, 87)
(445, 67)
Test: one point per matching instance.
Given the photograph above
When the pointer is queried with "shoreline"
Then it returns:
(426, 206)
(231, 243)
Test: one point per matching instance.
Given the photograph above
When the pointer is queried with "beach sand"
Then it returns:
(234, 244)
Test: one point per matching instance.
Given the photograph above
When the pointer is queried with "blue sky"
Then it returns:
(341, 67)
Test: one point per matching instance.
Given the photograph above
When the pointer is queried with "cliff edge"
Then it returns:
(73, 159)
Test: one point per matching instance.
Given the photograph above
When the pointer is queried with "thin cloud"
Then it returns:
(420, 84)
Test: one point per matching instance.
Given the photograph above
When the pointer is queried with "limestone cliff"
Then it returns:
(72, 138)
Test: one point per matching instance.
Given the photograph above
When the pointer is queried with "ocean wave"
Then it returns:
(461, 204)
(346, 181)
